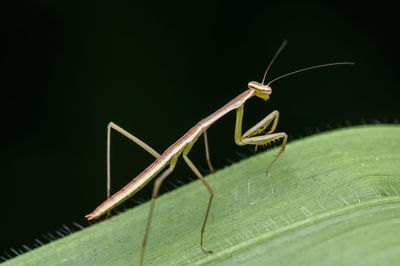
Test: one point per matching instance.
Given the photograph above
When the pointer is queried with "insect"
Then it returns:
(253, 136)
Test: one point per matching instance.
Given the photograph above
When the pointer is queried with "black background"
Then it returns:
(156, 69)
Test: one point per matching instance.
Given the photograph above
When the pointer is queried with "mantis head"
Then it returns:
(261, 90)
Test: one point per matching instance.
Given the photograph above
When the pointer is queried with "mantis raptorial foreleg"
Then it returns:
(249, 137)
(263, 124)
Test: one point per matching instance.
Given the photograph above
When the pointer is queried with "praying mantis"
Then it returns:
(254, 136)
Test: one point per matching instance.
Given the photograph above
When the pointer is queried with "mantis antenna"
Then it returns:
(309, 68)
(273, 59)
(296, 71)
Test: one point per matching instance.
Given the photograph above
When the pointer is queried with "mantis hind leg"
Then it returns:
(117, 128)
(157, 184)
(252, 137)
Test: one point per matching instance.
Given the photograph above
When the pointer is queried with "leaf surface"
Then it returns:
(331, 199)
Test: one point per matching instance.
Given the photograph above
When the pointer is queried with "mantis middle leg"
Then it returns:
(202, 179)
(207, 152)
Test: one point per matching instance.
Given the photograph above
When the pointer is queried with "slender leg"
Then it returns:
(208, 152)
(250, 138)
(156, 188)
(202, 179)
(117, 128)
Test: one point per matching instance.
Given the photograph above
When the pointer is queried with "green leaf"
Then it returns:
(331, 199)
